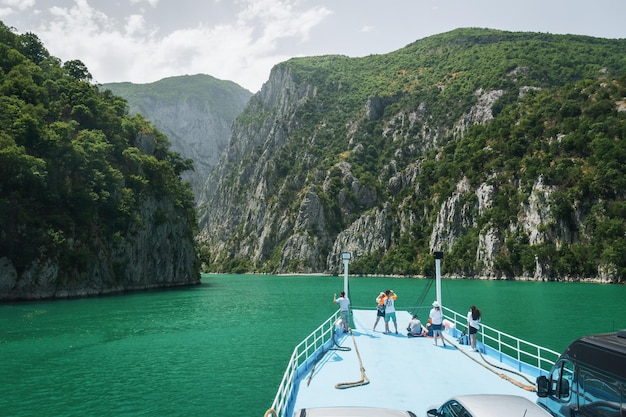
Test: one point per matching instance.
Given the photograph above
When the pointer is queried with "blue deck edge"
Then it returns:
(305, 368)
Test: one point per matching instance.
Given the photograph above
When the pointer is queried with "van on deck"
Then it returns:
(588, 379)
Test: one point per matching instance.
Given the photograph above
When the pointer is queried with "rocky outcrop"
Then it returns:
(453, 220)
(370, 233)
(158, 255)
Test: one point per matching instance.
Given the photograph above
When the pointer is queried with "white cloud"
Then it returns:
(17, 4)
(13, 6)
(152, 3)
(129, 49)
(135, 25)
(240, 40)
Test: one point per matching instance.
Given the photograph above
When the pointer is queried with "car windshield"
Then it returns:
(453, 409)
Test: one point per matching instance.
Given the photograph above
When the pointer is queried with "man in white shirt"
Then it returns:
(344, 304)
(390, 310)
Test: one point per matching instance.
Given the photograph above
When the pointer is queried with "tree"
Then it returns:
(77, 70)
(32, 48)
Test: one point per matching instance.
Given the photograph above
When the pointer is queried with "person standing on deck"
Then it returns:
(344, 303)
(380, 308)
(390, 310)
(436, 316)
(473, 325)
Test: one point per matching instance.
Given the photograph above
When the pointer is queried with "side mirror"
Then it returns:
(543, 386)
(432, 413)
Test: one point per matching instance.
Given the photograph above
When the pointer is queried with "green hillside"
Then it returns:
(215, 93)
(75, 172)
(407, 126)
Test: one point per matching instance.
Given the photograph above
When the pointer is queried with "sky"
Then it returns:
(143, 41)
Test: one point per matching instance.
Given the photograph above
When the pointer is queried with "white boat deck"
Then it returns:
(404, 373)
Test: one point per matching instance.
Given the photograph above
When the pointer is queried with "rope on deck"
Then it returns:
(341, 348)
(364, 379)
(531, 387)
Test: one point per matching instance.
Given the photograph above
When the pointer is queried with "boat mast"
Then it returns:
(438, 258)
(346, 258)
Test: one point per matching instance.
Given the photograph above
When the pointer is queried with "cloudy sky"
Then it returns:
(240, 40)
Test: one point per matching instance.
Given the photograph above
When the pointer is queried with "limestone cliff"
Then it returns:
(195, 112)
(469, 143)
(155, 255)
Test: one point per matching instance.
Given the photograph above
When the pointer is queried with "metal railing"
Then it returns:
(509, 348)
(307, 350)
(528, 357)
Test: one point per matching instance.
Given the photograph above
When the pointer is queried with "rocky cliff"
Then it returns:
(153, 247)
(194, 111)
(158, 255)
(91, 198)
(475, 143)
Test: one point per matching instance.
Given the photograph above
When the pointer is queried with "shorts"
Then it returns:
(344, 316)
(390, 316)
(380, 313)
(435, 326)
(473, 330)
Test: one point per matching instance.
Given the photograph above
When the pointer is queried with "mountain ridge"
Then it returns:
(358, 154)
(194, 111)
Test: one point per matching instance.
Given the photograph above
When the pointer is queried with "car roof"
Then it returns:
(497, 405)
(351, 412)
(605, 352)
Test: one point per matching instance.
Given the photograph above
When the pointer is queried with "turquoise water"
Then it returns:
(221, 348)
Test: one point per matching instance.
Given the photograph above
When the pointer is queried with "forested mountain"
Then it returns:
(195, 112)
(504, 150)
(91, 199)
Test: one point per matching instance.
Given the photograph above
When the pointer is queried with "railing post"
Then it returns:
(346, 258)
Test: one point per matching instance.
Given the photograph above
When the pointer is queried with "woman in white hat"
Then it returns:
(436, 317)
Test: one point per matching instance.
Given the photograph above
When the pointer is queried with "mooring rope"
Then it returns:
(270, 412)
(531, 387)
(341, 348)
(364, 379)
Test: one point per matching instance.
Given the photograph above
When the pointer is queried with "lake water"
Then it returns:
(220, 348)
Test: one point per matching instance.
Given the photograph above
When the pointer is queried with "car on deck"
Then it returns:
(487, 405)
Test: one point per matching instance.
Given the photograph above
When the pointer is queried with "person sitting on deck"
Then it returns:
(415, 328)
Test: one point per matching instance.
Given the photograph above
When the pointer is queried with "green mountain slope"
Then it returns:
(195, 112)
(501, 149)
(91, 201)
